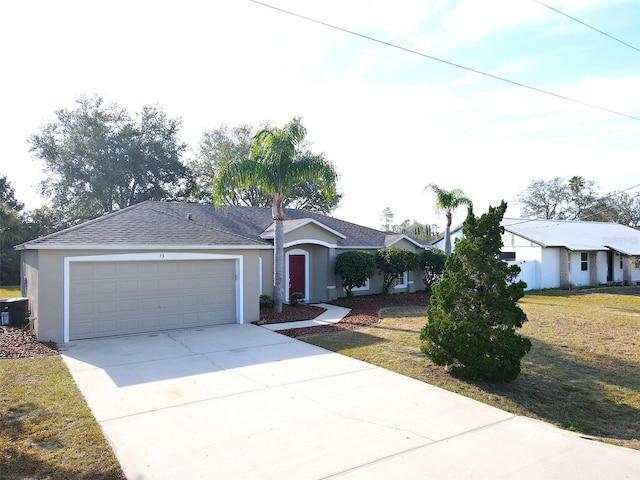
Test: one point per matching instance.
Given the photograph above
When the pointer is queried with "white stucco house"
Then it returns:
(565, 254)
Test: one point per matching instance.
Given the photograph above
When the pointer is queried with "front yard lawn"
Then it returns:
(46, 429)
(583, 372)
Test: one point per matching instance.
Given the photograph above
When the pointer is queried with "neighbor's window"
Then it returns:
(508, 256)
(584, 261)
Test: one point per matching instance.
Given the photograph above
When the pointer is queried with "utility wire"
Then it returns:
(586, 25)
(408, 50)
(610, 195)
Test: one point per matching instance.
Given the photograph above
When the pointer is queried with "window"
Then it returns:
(405, 281)
(508, 256)
(584, 261)
(365, 287)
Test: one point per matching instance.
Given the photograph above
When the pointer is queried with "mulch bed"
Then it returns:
(365, 311)
(19, 342)
(290, 313)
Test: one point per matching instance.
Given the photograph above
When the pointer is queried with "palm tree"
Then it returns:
(278, 163)
(576, 184)
(580, 194)
(447, 201)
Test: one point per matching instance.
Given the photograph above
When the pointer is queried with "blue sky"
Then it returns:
(391, 121)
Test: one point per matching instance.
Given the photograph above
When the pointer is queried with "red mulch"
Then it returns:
(290, 313)
(19, 342)
(364, 311)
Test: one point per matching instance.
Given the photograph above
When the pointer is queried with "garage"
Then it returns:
(125, 294)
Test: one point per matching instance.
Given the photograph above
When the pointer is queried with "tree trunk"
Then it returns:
(278, 254)
(447, 235)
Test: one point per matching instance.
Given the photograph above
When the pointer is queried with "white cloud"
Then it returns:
(471, 20)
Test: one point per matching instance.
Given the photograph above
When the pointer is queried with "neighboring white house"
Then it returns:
(564, 254)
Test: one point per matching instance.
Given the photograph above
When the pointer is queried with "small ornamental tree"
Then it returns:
(354, 268)
(432, 265)
(392, 263)
(473, 313)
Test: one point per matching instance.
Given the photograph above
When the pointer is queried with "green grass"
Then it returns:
(46, 428)
(583, 372)
(9, 291)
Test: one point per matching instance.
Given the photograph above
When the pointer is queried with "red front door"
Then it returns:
(296, 274)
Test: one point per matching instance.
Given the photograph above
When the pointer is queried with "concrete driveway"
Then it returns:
(241, 401)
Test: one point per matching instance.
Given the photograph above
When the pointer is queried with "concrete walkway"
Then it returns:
(240, 401)
(333, 315)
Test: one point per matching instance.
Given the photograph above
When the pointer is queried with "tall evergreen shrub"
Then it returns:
(473, 313)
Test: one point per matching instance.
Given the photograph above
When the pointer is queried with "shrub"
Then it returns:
(392, 263)
(296, 297)
(432, 264)
(266, 301)
(354, 268)
(473, 312)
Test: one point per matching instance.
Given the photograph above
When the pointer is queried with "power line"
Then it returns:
(453, 64)
(587, 25)
(610, 195)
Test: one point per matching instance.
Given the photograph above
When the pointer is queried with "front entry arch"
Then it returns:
(297, 274)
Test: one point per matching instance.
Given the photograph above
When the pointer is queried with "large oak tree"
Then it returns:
(99, 158)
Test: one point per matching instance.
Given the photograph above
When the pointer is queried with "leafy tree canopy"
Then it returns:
(11, 233)
(578, 199)
(412, 228)
(415, 229)
(473, 313)
(43, 221)
(392, 263)
(100, 158)
(558, 198)
(432, 261)
(231, 145)
(355, 268)
(7, 194)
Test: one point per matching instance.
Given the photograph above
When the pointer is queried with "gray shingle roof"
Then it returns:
(189, 224)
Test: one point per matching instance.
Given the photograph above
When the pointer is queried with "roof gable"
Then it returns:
(399, 239)
(291, 226)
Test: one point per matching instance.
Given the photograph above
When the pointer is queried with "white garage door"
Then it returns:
(122, 297)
